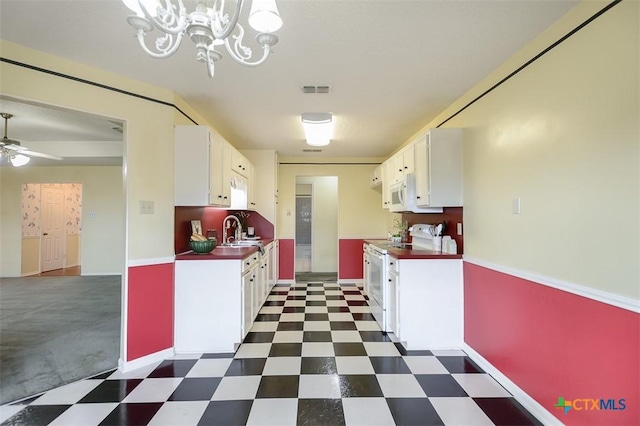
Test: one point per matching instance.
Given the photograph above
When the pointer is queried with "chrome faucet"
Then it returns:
(226, 225)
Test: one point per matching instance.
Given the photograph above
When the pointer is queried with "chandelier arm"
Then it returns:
(242, 59)
(166, 19)
(218, 18)
(161, 53)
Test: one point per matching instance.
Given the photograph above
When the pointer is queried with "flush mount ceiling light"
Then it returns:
(318, 127)
(206, 26)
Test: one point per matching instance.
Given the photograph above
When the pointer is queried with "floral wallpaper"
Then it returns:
(31, 199)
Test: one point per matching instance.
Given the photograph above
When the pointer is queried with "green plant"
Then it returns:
(400, 227)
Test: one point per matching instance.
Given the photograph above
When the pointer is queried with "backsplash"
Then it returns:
(451, 216)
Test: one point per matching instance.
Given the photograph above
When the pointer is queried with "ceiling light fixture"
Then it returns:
(318, 127)
(206, 26)
(19, 160)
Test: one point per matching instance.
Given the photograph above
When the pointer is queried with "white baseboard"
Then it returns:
(521, 396)
(286, 282)
(126, 366)
(350, 281)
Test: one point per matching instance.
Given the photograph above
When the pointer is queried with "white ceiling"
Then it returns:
(392, 65)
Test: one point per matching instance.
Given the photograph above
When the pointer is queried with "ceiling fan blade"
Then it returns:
(12, 146)
(39, 154)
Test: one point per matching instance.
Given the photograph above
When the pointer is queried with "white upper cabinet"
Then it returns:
(375, 178)
(220, 172)
(240, 164)
(403, 163)
(438, 170)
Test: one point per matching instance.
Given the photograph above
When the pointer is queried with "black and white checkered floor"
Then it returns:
(315, 356)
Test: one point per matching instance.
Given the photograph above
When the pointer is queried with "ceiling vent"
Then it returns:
(315, 89)
(311, 150)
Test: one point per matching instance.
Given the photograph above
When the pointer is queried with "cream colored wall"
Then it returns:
(30, 255)
(563, 136)
(148, 134)
(72, 250)
(360, 214)
(102, 251)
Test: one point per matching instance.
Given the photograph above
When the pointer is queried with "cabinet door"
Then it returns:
(392, 314)
(192, 155)
(408, 160)
(247, 303)
(375, 177)
(387, 179)
(219, 175)
(398, 167)
(251, 187)
(239, 163)
(422, 172)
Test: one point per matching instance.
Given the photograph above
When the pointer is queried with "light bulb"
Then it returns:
(19, 160)
(264, 16)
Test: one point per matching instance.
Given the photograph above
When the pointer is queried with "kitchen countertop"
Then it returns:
(414, 253)
(228, 253)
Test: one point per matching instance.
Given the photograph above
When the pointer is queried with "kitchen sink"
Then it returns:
(241, 243)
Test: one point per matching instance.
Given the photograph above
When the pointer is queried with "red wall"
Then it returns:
(552, 344)
(350, 259)
(286, 259)
(149, 310)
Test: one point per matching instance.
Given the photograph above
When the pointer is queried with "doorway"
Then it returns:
(316, 232)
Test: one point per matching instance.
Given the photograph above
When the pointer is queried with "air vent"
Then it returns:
(311, 150)
(315, 89)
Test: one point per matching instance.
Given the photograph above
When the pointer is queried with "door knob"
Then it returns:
(45, 233)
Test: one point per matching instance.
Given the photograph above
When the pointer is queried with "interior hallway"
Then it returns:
(55, 330)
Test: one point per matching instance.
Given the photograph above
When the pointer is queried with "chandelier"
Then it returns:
(208, 26)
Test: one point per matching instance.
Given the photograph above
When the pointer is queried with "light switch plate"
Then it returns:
(146, 207)
(515, 206)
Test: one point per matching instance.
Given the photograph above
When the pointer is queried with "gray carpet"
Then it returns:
(55, 330)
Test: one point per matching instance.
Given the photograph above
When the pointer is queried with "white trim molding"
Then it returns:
(613, 299)
(126, 366)
(521, 396)
(151, 261)
(290, 282)
(356, 281)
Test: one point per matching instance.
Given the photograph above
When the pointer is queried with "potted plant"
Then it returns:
(400, 230)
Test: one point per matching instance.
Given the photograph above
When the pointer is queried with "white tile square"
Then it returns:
(84, 414)
(153, 390)
(381, 349)
(400, 386)
(480, 385)
(324, 386)
(295, 317)
(332, 292)
(337, 303)
(425, 365)
(288, 337)
(353, 297)
(282, 366)
(366, 412)
(271, 309)
(345, 336)
(253, 350)
(354, 365)
(361, 310)
(277, 297)
(367, 326)
(7, 411)
(311, 349)
(68, 394)
(183, 413)
(460, 411)
(138, 373)
(264, 326)
(298, 293)
(314, 297)
(214, 367)
(187, 355)
(295, 303)
(237, 387)
(317, 326)
(273, 412)
(316, 310)
(340, 316)
(448, 352)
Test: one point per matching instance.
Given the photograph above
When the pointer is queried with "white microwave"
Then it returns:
(403, 197)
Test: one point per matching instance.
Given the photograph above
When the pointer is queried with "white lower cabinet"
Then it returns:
(429, 303)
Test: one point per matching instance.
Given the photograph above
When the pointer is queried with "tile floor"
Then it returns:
(315, 356)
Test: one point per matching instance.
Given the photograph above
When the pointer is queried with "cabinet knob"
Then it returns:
(406, 167)
(219, 196)
(389, 279)
(418, 197)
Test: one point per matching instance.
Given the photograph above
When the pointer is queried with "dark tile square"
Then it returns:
(225, 413)
(413, 411)
(102, 375)
(349, 349)
(357, 303)
(440, 385)
(360, 385)
(132, 414)
(362, 316)
(246, 367)
(389, 365)
(299, 288)
(459, 364)
(319, 365)
(173, 368)
(351, 292)
(279, 293)
(278, 387)
(220, 355)
(374, 336)
(296, 297)
(316, 317)
(290, 326)
(316, 336)
(286, 349)
(268, 317)
(315, 284)
(316, 303)
(274, 303)
(320, 412)
(315, 293)
(348, 285)
(293, 310)
(282, 285)
(111, 391)
(334, 297)
(342, 325)
(506, 411)
(404, 351)
(335, 309)
(195, 389)
(259, 337)
(36, 415)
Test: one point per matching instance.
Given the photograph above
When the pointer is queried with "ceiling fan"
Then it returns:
(17, 154)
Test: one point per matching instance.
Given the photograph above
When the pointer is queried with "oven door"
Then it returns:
(376, 277)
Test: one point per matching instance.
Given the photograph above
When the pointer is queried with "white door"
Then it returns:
(52, 249)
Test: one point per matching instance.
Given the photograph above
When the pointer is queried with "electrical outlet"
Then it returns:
(515, 206)
(459, 228)
(93, 214)
(146, 207)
